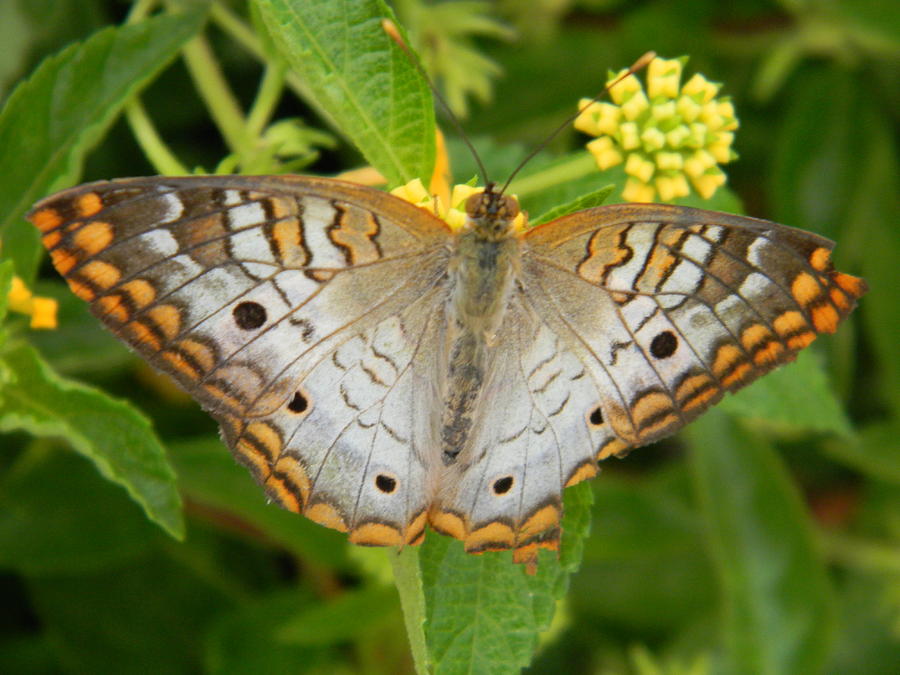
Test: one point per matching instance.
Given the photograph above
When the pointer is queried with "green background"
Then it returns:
(765, 538)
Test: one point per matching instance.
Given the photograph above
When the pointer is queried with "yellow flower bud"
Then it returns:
(636, 104)
(669, 161)
(653, 139)
(701, 88)
(663, 111)
(414, 192)
(630, 139)
(639, 167)
(688, 108)
(43, 313)
(709, 182)
(604, 151)
(663, 77)
(677, 137)
(637, 191)
(623, 90)
(672, 187)
(697, 164)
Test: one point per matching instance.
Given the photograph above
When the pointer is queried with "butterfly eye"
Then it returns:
(385, 483)
(596, 417)
(664, 345)
(503, 485)
(299, 403)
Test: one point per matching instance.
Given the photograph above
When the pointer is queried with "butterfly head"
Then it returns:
(491, 214)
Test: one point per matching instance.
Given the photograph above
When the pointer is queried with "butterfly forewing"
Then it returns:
(668, 307)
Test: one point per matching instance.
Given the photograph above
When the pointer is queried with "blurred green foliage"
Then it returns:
(763, 539)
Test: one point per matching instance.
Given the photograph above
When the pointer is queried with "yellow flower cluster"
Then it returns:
(41, 310)
(454, 213)
(670, 137)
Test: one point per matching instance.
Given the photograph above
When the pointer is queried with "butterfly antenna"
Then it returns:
(390, 28)
(635, 67)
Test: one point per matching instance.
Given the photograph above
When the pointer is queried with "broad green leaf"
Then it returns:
(817, 155)
(241, 641)
(778, 606)
(57, 516)
(363, 82)
(485, 613)
(644, 568)
(51, 120)
(112, 434)
(147, 616)
(341, 620)
(873, 451)
(588, 201)
(873, 238)
(795, 396)
(6, 276)
(209, 475)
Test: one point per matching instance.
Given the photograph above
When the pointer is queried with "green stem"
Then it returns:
(580, 165)
(243, 35)
(861, 554)
(408, 580)
(140, 10)
(155, 149)
(266, 99)
(213, 89)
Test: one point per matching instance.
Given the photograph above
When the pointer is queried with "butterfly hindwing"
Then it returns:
(535, 434)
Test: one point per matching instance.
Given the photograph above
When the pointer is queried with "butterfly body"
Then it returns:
(377, 371)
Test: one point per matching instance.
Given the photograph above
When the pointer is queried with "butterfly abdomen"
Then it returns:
(482, 274)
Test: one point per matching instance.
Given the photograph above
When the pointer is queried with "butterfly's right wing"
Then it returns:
(298, 311)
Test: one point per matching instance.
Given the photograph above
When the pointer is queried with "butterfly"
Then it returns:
(379, 372)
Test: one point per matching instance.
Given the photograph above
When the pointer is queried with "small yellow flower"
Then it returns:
(42, 310)
(454, 213)
(671, 138)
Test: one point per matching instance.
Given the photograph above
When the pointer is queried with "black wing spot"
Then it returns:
(503, 485)
(299, 403)
(385, 483)
(249, 315)
(596, 417)
(664, 345)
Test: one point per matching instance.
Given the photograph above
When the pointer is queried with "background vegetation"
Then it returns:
(763, 539)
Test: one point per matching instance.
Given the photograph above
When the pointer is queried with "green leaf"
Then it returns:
(6, 276)
(484, 613)
(360, 79)
(778, 607)
(644, 567)
(872, 451)
(588, 201)
(112, 434)
(817, 155)
(795, 396)
(241, 641)
(144, 617)
(340, 620)
(58, 516)
(51, 120)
